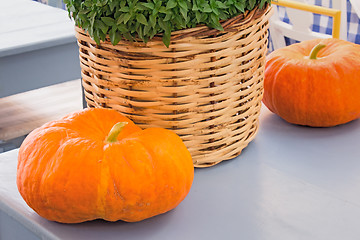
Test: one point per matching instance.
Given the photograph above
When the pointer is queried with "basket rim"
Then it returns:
(229, 25)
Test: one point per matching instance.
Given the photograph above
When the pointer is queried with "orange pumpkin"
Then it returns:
(320, 90)
(73, 170)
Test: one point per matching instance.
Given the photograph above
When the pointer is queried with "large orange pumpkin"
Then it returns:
(320, 90)
(82, 168)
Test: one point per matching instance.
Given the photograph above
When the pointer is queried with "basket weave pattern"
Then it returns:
(207, 86)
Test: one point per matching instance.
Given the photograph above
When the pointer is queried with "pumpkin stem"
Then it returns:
(315, 50)
(115, 131)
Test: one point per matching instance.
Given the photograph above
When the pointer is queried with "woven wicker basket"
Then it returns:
(207, 86)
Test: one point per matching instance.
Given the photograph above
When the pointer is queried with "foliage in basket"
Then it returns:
(133, 19)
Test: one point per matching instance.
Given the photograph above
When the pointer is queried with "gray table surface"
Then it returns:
(38, 47)
(291, 182)
(27, 25)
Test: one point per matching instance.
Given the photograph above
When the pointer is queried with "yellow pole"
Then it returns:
(334, 13)
(336, 25)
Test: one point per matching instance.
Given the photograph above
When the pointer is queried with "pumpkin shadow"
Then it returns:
(273, 124)
(196, 215)
(101, 229)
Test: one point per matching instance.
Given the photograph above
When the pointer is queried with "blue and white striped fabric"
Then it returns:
(353, 25)
(323, 24)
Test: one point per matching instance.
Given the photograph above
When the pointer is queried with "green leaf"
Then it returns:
(139, 31)
(262, 4)
(120, 19)
(122, 28)
(84, 11)
(153, 32)
(127, 17)
(108, 21)
(223, 15)
(216, 11)
(162, 24)
(183, 5)
(166, 38)
(115, 36)
(198, 16)
(216, 23)
(220, 5)
(82, 17)
(149, 5)
(171, 4)
(128, 36)
(251, 4)
(92, 14)
(178, 21)
(96, 37)
(162, 9)
(240, 7)
(152, 20)
(207, 8)
(183, 13)
(157, 6)
(99, 24)
(102, 36)
(124, 9)
(168, 17)
(141, 19)
(85, 25)
(112, 5)
(88, 3)
(146, 30)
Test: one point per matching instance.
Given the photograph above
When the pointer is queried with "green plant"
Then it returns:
(133, 19)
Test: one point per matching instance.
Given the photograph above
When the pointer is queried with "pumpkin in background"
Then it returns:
(73, 170)
(314, 83)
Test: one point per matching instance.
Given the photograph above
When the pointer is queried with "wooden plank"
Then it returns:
(21, 113)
